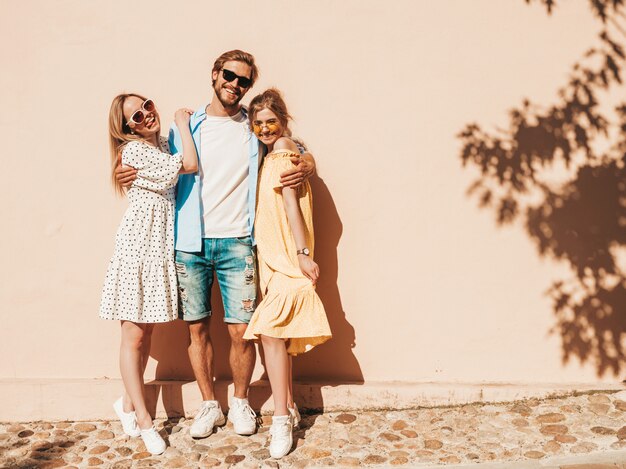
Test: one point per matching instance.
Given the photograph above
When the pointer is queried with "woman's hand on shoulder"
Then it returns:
(182, 117)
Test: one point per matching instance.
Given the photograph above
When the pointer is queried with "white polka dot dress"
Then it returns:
(140, 284)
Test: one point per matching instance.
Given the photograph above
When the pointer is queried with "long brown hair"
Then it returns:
(270, 99)
(119, 134)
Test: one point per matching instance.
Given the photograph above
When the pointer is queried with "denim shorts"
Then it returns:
(233, 261)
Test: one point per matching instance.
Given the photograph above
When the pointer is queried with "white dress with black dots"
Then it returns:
(140, 284)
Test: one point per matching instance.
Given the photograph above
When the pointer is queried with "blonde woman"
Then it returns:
(140, 288)
(290, 319)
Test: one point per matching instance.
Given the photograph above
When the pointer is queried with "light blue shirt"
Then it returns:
(188, 223)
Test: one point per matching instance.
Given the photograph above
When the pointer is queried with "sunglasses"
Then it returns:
(272, 126)
(140, 114)
(229, 76)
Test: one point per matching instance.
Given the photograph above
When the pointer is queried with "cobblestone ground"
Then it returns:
(527, 430)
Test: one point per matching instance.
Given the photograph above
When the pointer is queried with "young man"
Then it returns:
(214, 235)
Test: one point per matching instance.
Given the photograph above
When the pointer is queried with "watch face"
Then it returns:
(305, 251)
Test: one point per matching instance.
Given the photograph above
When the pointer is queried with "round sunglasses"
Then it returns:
(140, 114)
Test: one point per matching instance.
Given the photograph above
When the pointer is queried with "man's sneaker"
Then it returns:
(282, 439)
(209, 416)
(153, 441)
(128, 419)
(295, 415)
(242, 417)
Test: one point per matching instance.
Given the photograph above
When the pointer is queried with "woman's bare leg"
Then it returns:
(145, 355)
(277, 364)
(290, 403)
(135, 338)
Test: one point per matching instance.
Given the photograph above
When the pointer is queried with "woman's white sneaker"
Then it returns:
(242, 417)
(282, 438)
(295, 415)
(209, 415)
(128, 419)
(153, 441)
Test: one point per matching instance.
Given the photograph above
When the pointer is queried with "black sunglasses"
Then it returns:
(229, 76)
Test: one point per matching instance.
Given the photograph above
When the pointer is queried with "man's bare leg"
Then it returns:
(242, 359)
(201, 356)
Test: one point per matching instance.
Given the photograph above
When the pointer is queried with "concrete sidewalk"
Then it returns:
(575, 432)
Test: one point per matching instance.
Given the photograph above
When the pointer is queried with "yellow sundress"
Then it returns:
(290, 308)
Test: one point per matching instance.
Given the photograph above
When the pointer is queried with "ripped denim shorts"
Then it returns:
(233, 261)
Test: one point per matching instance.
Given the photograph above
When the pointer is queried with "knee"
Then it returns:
(135, 337)
(236, 332)
(199, 333)
(136, 343)
(271, 342)
(240, 342)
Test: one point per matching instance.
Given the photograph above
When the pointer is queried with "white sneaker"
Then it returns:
(295, 415)
(209, 415)
(242, 416)
(153, 441)
(282, 438)
(128, 419)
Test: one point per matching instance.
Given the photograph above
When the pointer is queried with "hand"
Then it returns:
(182, 116)
(309, 268)
(124, 175)
(303, 169)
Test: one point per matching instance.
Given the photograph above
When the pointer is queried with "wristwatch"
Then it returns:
(304, 251)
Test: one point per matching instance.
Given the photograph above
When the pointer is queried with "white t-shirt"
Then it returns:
(224, 172)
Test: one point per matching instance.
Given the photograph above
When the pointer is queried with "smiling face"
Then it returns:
(230, 93)
(151, 123)
(267, 127)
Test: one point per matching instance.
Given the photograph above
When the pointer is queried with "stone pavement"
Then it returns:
(568, 432)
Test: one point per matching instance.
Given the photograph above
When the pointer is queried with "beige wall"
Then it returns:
(413, 273)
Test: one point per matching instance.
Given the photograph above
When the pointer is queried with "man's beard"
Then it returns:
(226, 104)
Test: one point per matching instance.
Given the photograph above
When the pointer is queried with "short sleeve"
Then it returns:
(157, 170)
(165, 171)
(278, 165)
(135, 154)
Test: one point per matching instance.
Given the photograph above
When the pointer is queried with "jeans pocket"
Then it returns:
(245, 240)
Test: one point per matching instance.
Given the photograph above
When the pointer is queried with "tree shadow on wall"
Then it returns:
(546, 171)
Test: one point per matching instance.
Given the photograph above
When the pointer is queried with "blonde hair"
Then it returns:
(270, 99)
(237, 56)
(119, 134)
